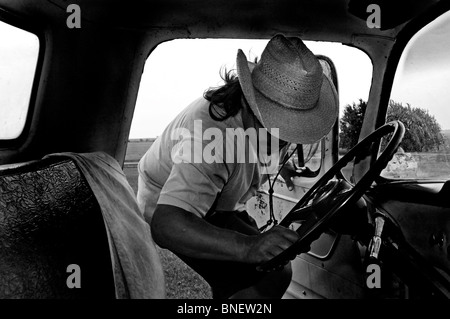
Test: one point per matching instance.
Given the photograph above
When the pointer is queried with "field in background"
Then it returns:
(181, 281)
(422, 165)
(137, 148)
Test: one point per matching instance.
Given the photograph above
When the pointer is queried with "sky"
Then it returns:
(179, 71)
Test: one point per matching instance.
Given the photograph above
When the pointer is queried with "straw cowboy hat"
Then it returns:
(287, 90)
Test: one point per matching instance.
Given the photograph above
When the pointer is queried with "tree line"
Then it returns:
(422, 131)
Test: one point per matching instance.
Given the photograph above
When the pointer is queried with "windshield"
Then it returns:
(420, 98)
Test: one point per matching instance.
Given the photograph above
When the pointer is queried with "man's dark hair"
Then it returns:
(225, 101)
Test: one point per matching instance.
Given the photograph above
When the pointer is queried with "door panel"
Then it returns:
(338, 276)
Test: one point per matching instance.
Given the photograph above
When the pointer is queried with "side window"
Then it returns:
(306, 155)
(420, 99)
(19, 52)
(309, 155)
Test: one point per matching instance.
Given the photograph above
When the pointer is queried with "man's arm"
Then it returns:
(184, 233)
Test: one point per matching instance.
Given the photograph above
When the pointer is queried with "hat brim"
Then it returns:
(295, 126)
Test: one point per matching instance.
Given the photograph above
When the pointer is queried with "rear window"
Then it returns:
(19, 50)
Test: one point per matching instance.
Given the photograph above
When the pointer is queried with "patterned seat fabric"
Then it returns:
(50, 219)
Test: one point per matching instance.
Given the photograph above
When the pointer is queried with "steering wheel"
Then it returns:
(332, 193)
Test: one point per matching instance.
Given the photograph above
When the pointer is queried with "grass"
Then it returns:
(181, 281)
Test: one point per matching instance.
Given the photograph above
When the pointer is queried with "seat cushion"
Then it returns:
(50, 219)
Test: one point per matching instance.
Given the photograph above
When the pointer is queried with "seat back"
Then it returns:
(49, 220)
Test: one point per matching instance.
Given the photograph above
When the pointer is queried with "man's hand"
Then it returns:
(265, 246)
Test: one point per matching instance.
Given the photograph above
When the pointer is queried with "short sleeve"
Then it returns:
(194, 186)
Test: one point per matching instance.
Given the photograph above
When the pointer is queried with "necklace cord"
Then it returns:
(272, 219)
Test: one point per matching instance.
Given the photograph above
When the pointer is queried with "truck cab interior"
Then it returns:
(72, 74)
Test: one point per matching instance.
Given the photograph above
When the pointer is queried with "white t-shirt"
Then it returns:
(196, 163)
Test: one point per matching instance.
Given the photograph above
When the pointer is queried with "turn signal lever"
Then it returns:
(376, 241)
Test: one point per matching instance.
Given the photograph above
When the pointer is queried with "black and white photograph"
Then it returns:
(227, 155)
